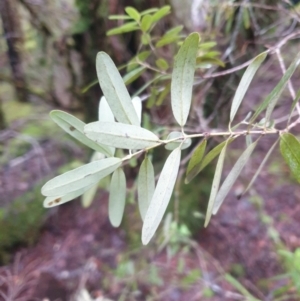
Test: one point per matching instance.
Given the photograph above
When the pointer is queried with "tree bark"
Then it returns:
(13, 36)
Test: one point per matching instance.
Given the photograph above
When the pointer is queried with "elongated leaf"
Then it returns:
(146, 185)
(161, 196)
(149, 11)
(195, 161)
(127, 27)
(106, 115)
(166, 41)
(165, 10)
(146, 23)
(89, 195)
(183, 78)
(290, 151)
(121, 135)
(133, 13)
(215, 185)
(262, 164)
(114, 90)
(295, 101)
(273, 97)
(213, 154)
(275, 94)
(52, 201)
(162, 64)
(245, 82)
(80, 177)
(232, 176)
(137, 103)
(133, 75)
(74, 127)
(118, 17)
(117, 197)
(178, 143)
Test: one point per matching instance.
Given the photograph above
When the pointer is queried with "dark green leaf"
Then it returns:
(195, 162)
(290, 151)
(133, 75)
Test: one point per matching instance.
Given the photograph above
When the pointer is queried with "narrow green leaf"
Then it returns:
(162, 12)
(295, 101)
(117, 197)
(207, 45)
(195, 161)
(177, 143)
(290, 151)
(245, 82)
(275, 94)
(146, 185)
(133, 75)
(160, 99)
(206, 63)
(80, 177)
(127, 27)
(89, 195)
(52, 201)
(271, 100)
(135, 62)
(146, 23)
(161, 196)
(166, 41)
(121, 135)
(262, 164)
(213, 154)
(133, 13)
(237, 285)
(183, 78)
(174, 31)
(215, 184)
(233, 175)
(74, 127)
(162, 64)
(137, 103)
(149, 11)
(118, 17)
(114, 90)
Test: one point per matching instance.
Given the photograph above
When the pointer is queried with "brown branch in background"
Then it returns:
(13, 36)
(35, 19)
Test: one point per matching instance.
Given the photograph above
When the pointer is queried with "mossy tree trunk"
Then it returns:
(13, 36)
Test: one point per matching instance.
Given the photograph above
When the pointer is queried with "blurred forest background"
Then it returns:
(251, 249)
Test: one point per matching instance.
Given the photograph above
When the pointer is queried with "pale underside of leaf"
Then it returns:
(137, 103)
(161, 196)
(232, 176)
(146, 185)
(117, 197)
(106, 115)
(215, 184)
(74, 127)
(121, 135)
(80, 177)
(114, 90)
(89, 195)
(183, 78)
(52, 201)
(245, 82)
